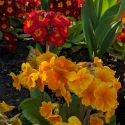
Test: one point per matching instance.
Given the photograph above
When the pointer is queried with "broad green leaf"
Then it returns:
(75, 106)
(112, 121)
(67, 45)
(77, 38)
(62, 113)
(36, 93)
(23, 36)
(30, 111)
(108, 39)
(15, 22)
(24, 120)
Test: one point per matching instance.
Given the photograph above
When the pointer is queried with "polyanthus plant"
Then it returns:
(101, 22)
(88, 90)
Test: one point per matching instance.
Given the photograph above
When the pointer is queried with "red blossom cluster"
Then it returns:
(47, 26)
(15, 9)
(69, 8)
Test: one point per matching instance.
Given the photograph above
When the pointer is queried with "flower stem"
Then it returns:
(67, 111)
(82, 113)
(86, 120)
(47, 46)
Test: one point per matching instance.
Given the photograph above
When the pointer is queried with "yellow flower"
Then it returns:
(104, 74)
(15, 120)
(46, 109)
(28, 76)
(73, 120)
(55, 76)
(98, 62)
(5, 108)
(45, 57)
(79, 81)
(105, 97)
(54, 118)
(116, 84)
(64, 63)
(16, 82)
(88, 94)
(96, 121)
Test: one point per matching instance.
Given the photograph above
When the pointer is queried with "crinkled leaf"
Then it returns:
(112, 121)
(1, 34)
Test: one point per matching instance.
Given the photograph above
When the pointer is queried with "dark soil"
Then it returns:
(11, 63)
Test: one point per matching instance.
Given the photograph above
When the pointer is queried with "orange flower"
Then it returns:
(46, 109)
(64, 63)
(61, 123)
(88, 94)
(16, 82)
(116, 84)
(45, 57)
(79, 81)
(104, 74)
(105, 97)
(73, 120)
(96, 121)
(28, 76)
(98, 62)
(54, 118)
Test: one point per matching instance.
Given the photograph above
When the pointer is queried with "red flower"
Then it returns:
(4, 25)
(9, 10)
(39, 34)
(64, 31)
(121, 36)
(8, 37)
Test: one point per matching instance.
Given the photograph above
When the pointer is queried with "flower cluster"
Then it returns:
(47, 27)
(11, 10)
(67, 7)
(93, 83)
(4, 120)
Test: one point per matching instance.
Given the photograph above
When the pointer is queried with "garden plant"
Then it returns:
(64, 92)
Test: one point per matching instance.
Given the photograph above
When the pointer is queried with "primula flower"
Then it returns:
(54, 118)
(73, 120)
(8, 36)
(121, 36)
(104, 74)
(88, 94)
(96, 121)
(5, 108)
(4, 25)
(116, 84)
(46, 109)
(9, 10)
(2, 2)
(16, 82)
(79, 81)
(28, 76)
(60, 123)
(98, 62)
(105, 97)
(45, 57)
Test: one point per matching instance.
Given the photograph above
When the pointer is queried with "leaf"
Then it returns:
(45, 4)
(111, 15)
(62, 113)
(112, 121)
(38, 47)
(14, 22)
(24, 120)
(36, 93)
(74, 106)
(1, 34)
(23, 36)
(30, 111)
(108, 38)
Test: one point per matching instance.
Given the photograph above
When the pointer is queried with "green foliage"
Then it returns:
(45, 5)
(30, 111)
(1, 34)
(118, 49)
(112, 121)
(25, 121)
(101, 24)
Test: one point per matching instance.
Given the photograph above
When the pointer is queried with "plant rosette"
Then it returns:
(87, 90)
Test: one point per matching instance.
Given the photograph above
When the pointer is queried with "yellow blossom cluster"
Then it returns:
(94, 83)
(4, 120)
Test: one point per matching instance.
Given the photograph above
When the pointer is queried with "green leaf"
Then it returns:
(45, 4)
(92, 12)
(24, 120)
(67, 45)
(111, 15)
(30, 111)
(15, 22)
(1, 34)
(23, 36)
(38, 47)
(62, 113)
(108, 38)
(74, 106)
(112, 121)
(36, 93)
